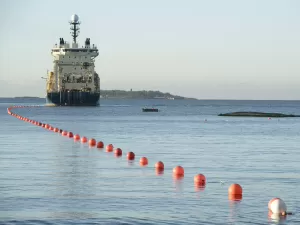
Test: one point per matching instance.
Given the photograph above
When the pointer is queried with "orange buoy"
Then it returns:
(130, 156)
(159, 165)
(235, 197)
(200, 180)
(143, 161)
(118, 152)
(70, 134)
(76, 137)
(56, 130)
(92, 142)
(178, 176)
(100, 144)
(64, 133)
(178, 170)
(235, 189)
(47, 126)
(109, 148)
(83, 139)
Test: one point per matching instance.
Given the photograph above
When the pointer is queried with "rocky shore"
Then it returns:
(258, 114)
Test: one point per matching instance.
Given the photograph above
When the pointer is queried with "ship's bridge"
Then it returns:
(73, 64)
(64, 49)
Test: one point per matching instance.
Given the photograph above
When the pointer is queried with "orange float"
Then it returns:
(70, 134)
(76, 137)
(159, 165)
(83, 139)
(178, 170)
(92, 142)
(143, 161)
(100, 144)
(200, 180)
(64, 133)
(118, 152)
(56, 130)
(235, 197)
(235, 192)
(130, 156)
(178, 176)
(109, 148)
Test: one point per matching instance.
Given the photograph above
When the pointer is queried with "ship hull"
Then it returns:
(73, 98)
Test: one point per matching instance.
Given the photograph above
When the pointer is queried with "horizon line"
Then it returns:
(185, 98)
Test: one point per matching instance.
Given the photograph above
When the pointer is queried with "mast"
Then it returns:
(74, 27)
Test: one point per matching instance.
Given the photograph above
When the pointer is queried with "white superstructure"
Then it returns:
(73, 64)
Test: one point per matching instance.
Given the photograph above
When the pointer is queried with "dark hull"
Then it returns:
(73, 98)
(150, 110)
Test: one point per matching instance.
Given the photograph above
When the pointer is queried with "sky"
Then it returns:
(216, 49)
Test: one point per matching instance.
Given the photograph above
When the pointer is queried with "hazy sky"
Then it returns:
(208, 49)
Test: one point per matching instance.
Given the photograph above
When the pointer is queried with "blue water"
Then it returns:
(46, 178)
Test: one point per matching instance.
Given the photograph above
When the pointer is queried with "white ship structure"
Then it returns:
(73, 81)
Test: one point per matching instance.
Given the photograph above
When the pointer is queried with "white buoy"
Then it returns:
(277, 206)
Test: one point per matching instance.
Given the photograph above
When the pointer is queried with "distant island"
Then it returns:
(139, 95)
(257, 114)
(121, 94)
(27, 97)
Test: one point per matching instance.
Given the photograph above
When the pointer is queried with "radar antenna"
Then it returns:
(74, 27)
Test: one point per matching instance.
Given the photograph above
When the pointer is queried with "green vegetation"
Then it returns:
(120, 94)
(138, 94)
(258, 114)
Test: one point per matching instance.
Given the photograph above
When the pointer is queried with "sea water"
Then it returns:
(46, 178)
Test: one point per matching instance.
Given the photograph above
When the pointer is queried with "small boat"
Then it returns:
(150, 110)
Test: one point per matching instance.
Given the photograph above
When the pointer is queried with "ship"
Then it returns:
(73, 80)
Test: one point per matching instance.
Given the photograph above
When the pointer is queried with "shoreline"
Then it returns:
(258, 114)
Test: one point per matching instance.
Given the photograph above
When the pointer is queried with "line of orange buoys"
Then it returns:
(276, 206)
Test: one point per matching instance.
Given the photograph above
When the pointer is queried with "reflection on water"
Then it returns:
(199, 188)
(234, 210)
(277, 218)
(159, 172)
(178, 183)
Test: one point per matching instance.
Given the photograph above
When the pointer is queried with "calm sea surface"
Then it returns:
(49, 179)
